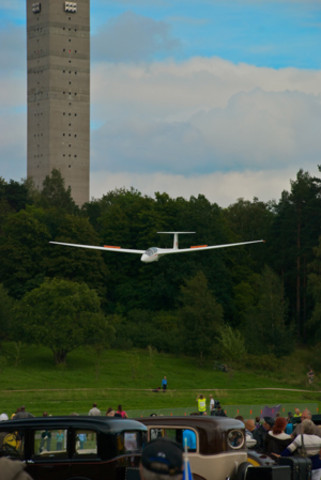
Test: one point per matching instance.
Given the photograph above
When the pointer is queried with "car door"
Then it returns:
(48, 457)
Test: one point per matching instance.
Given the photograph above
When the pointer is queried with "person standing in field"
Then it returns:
(22, 413)
(164, 384)
(201, 404)
(212, 405)
(120, 412)
(110, 412)
(94, 411)
(297, 413)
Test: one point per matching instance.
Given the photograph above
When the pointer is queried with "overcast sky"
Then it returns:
(218, 97)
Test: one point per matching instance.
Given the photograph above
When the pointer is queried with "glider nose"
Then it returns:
(149, 256)
(145, 258)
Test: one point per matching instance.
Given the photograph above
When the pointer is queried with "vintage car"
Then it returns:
(75, 447)
(216, 448)
(216, 445)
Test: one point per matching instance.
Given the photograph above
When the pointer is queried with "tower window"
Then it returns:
(71, 7)
(36, 7)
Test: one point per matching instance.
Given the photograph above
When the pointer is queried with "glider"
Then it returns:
(153, 254)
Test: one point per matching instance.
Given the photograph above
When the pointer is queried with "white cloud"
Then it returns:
(199, 126)
(204, 116)
(221, 188)
(175, 90)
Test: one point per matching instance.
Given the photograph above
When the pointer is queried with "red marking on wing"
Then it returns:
(199, 246)
(110, 246)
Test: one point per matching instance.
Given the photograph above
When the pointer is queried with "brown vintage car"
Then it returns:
(216, 445)
(75, 447)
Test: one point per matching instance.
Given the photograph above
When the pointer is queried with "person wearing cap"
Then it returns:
(161, 459)
(260, 433)
(219, 412)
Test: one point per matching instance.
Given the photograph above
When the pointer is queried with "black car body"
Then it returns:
(75, 447)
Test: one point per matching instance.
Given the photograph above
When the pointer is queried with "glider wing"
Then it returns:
(107, 247)
(209, 247)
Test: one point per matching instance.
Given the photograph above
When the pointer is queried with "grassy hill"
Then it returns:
(28, 376)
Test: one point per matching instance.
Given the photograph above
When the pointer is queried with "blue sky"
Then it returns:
(219, 97)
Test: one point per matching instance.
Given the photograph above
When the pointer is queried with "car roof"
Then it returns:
(105, 424)
(199, 422)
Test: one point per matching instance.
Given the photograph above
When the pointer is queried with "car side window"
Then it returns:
(178, 435)
(156, 433)
(131, 441)
(86, 443)
(50, 443)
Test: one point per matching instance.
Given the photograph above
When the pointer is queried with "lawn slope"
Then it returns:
(29, 376)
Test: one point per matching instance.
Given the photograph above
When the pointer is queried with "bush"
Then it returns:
(268, 363)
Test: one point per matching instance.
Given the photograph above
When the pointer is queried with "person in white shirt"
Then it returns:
(94, 411)
(212, 405)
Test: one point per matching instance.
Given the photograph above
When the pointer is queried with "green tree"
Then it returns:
(63, 315)
(249, 220)
(294, 233)
(266, 329)
(55, 194)
(232, 345)
(314, 287)
(200, 317)
(6, 314)
(76, 264)
(14, 196)
(23, 242)
(145, 328)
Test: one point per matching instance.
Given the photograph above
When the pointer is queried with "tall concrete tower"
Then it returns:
(58, 53)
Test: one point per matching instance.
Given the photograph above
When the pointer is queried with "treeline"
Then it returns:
(260, 299)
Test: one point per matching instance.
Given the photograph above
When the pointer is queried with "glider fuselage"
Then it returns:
(153, 254)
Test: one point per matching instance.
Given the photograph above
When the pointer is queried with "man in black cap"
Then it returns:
(260, 433)
(161, 459)
(219, 412)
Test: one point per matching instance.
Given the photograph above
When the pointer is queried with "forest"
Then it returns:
(235, 305)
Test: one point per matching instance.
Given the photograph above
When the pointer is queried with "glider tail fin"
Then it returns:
(175, 239)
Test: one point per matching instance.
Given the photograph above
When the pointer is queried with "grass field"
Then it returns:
(28, 376)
